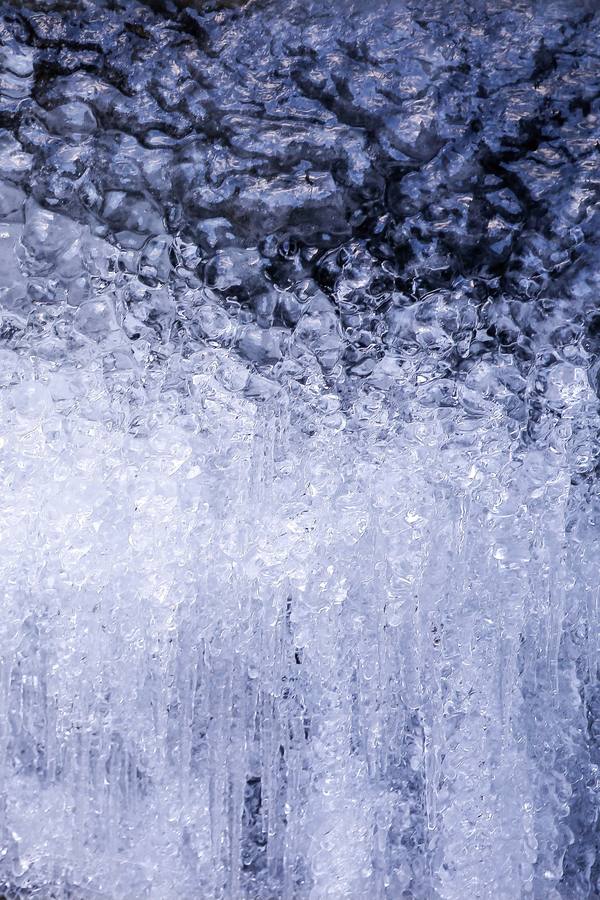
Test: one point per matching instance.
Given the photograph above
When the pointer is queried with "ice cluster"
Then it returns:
(299, 450)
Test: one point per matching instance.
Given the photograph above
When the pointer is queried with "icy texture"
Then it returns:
(299, 510)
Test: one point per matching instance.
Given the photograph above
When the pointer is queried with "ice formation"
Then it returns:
(299, 332)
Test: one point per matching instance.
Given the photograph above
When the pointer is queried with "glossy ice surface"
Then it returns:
(299, 513)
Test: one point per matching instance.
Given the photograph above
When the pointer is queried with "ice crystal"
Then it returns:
(299, 336)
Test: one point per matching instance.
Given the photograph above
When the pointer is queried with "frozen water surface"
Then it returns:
(299, 506)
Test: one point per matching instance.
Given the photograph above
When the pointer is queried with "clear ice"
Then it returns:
(299, 508)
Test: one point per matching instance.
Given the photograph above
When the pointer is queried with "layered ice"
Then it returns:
(298, 448)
